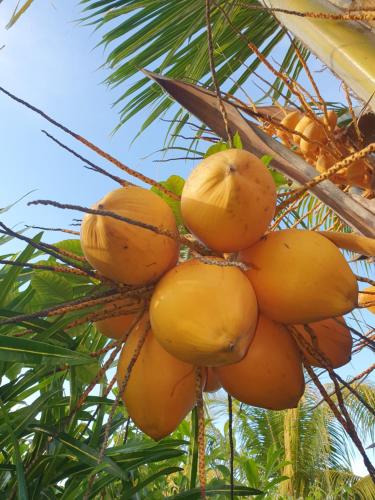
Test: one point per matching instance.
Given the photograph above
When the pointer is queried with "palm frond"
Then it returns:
(169, 37)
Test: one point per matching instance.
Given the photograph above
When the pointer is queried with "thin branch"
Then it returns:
(92, 165)
(57, 229)
(92, 146)
(213, 72)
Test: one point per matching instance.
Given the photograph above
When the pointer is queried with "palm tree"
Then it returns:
(169, 37)
(278, 453)
(308, 446)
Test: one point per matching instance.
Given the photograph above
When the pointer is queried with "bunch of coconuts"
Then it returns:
(233, 323)
(319, 150)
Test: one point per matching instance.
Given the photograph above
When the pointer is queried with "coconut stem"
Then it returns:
(231, 446)
(56, 269)
(92, 146)
(92, 165)
(346, 162)
(55, 229)
(56, 252)
(351, 14)
(364, 279)
(201, 427)
(124, 383)
(343, 417)
(360, 376)
(323, 359)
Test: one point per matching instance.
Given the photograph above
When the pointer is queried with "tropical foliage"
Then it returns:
(62, 433)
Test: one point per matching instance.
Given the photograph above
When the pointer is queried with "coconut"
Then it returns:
(368, 299)
(229, 200)
(116, 327)
(334, 342)
(212, 381)
(289, 121)
(270, 375)
(125, 252)
(300, 277)
(204, 314)
(161, 389)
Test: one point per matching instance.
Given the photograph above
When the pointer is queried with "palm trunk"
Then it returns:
(288, 487)
(347, 48)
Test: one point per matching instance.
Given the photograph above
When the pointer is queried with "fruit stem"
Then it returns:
(194, 448)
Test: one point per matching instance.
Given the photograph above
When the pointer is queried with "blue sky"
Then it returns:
(50, 60)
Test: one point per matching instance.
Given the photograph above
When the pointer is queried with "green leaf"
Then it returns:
(8, 283)
(279, 179)
(90, 456)
(50, 289)
(175, 184)
(163, 472)
(212, 491)
(266, 159)
(73, 246)
(21, 418)
(21, 480)
(5, 209)
(86, 373)
(216, 148)
(237, 142)
(31, 352)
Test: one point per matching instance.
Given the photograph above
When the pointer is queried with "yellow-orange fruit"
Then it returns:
(324, 162)
(204, 314)
(116, 327)
(270, 375)
(289, 121)
(352, 241)
(229, 200)
(161, 389)
(313, 132)
(357, 174)
(213, 383)
(368, 299)
(333, 339)
(300, 277)
(332, 119)
(125, 252)
(303, 123)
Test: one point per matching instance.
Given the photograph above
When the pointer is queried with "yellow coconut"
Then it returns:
(270, 375)
(367, 298)
(161, 389)
(301, 126)
(128, 253)
(204, 314)
(229, 200)
(315, 133)
(331, 119)
(300, 277)
(334, 342)
(116, 327)
(213, 383)
(357, 174)
(289, 121)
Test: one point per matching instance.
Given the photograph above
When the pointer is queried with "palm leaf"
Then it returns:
(170, 37)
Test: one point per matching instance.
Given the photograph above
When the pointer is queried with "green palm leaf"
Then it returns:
(169, 37)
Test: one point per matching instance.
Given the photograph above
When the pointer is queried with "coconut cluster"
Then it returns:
(243, 325)
(318, 133)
